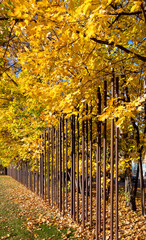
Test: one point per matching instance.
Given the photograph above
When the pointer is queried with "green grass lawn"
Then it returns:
(19, 218)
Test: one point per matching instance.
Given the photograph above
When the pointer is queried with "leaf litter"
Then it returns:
(132, 226)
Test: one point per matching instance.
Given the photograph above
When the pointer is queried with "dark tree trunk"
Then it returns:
(5, 171)
(137, 132)
(136, 180)
(141, 185)
(140, 174)
(130, 197)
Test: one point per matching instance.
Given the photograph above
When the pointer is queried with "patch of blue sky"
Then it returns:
(18, 70)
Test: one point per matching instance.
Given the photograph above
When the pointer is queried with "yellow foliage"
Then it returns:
(54, 56)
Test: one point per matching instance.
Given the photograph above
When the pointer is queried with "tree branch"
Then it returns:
(120, 47)
(12, 80)
(8, 18)
(118, 15)
(126, 13)
(143, 7)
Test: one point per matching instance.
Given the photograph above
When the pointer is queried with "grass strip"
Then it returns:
(20, 219)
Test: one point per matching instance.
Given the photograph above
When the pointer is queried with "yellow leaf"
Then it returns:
(120, 121)
(136, 6)
(109, 1)
(103, 117)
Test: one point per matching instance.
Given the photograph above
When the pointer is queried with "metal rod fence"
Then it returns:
(72, 170)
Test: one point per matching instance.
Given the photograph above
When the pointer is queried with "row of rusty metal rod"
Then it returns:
(50, 179)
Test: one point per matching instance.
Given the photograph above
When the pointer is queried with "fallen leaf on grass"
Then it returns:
(68, 232)
(6, 236)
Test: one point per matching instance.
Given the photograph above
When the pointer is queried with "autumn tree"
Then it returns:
(54, 56)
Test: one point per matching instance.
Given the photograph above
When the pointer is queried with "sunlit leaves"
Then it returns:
(60, 52)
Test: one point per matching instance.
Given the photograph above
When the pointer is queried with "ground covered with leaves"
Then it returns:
(24, 215)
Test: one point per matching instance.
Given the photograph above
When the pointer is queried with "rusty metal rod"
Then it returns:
(66, 144)
(45, 167)
(26, 174)
(52, 146)
(98, 180)
(33, 180)
(41, 176)
(57, 165)
(63, 184)
(40, 173)
(60, 156)
(90, 123)
(48, 166)
(112, 164)
(74, 167)
(37, 177)
(83, 174)
(117, 160)
(99, 208)
(86, 164)
(78, 168)
(42, 167)
(71, 166)
(104, 164)
(54, 163)
(30, 172)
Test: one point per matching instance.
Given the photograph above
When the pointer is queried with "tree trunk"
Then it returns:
(140, 174)
(136, 180)
(5, 171)
(141, 185)
(130, 198)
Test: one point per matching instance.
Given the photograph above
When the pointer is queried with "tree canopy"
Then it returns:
(54, 55)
